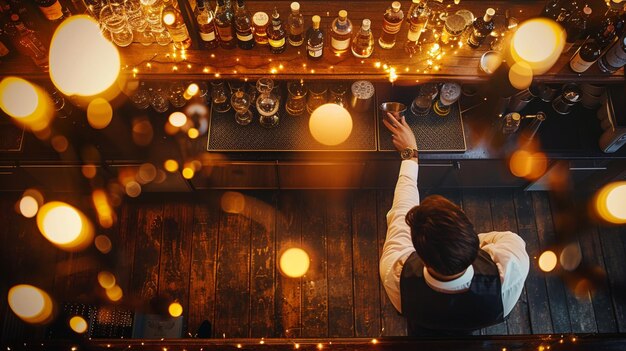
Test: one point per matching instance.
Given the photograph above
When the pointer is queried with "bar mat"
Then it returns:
(432, 132)
(291, 134)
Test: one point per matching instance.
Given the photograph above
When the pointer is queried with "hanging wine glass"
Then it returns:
(241, 104)
(267, 104)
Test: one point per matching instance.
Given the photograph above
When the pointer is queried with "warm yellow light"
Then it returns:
(538, 42)
(106, 280)
(177, 119)
(193, 133)
(610, 202)
(103, 244)
(28, 206)
(188, 173)
(64, 226)
(82, 61)
(233, 202)
(175, 309)
(330, 124)
(89, 171)
(30, 303)
(191, 91)
(115, 293)
(520, 75)
(99, 113)
(294, 262)
(525, 164)
(26, 103)
(78, 324)
(169, 18)
(170, 165)
(133, 189)
(547, 261)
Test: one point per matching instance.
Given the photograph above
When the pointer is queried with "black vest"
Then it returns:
(478, 307)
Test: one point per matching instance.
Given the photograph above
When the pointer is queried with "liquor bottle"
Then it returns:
(53, 10)
(614, 58)
(340, 33)
(259, 21)
(611, 25)
(392, 21)
(481, 28)
(243, 26)
(417, 19)
(576, 27)
(552, 9)
(27, 42)
(567, 9)
(315, 40)
(363, 42)
(175, 25)
(224, 24)
(276, 34)
(295, 24)
(206, 25)
(588, 53)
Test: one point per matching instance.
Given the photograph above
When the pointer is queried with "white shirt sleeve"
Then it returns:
(508, 251)
(398, 245)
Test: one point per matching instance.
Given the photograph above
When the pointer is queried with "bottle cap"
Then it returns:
(516, 116)
(260, 19)
(316, 19)
(295, 6)
(491, 12)
(343, 13)
(275, 13)
(587, 10)
(396, 5)
(366, 24)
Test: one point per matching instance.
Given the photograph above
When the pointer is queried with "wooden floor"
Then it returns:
(222, 266)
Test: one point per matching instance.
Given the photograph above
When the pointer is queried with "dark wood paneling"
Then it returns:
(145, 281)
(365, 258)
(615, 260)
(536, 291)
(123, 238)
(261, 207)
(340, 263)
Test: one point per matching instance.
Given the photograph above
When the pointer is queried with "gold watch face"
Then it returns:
(406, 153)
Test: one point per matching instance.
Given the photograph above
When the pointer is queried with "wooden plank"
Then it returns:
(556, 289)
(123, 241)
(288, 290)
(340, 261)
(393, 324)
(232, 318)
(315, 281)
(503, 216)
(7, 213)
(261, 207)
(535, 286)
(365, 257)
(176, 252)
(477, 207)
(615, 261)
(203, 263)
(145, 278)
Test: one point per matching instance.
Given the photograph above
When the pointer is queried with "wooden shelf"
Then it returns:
(459, 64)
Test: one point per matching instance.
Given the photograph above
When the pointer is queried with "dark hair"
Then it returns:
(443, 236)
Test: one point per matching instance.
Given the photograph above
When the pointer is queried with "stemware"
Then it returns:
(241, 104)
(267, 104)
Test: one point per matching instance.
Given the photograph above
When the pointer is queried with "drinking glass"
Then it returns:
(158, 99)
(338, 94)
(267, 104)
(176, 94)
(113, 18)
(424, 99)
(219, 97)
(317, 97)
(241, 104)
(141, 97)
(296, 99)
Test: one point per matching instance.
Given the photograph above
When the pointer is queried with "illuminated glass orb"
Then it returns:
(28, 206)
(539, 43)
(520, 75)
(26, 103)
(115, 293)
(170, 165)
(30, 303)
(330, 124)
(233, 202)
(547, 261)
(294, 262)
(177, 119)
(175, 309)
(78, 324)
(610, 202)
(99, 113)
(64, 226)
(82, 61)
(106, 280)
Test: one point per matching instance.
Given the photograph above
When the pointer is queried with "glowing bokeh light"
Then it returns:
(547, 261)
(191, 91)
(539, 43)
(610, 202)
(188, 172)
(169, 18)
(170, 165)
(133, 189)
(193, 133)
(177, 119)
(106, 280)
(82, 61)
(115, 293)
(89, 171)
(529, 165)
(330, 124)
(18, 97)
(59, 143)
(175, 309)
(28, 206)
(64, 226)
(146, 173)
(294, 262)
(520, 75)
(571, 257)
(99, 113)
(30, 304)
(103, 208)
(233, 202)
(78, 324)
(103, 244)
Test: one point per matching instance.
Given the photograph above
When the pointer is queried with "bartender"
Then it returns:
(437, 271)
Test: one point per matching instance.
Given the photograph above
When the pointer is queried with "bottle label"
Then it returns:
(315, 51)
(340, 44)
(277, 43)
(616, 56)
(245, 37)
(579, 65)
(391, 28)
(52, 12)
(415, 31)
(179, 34)
(210, 36)
(225, 33)
(296, 40)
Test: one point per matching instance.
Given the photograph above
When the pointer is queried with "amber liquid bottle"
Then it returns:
(295, 25)
(243, 26)
(341, 33)
(392, 22)
(315, 40)
(276, 34)
(175, 24)
(206, 26)
(363, 42)
(224, 24)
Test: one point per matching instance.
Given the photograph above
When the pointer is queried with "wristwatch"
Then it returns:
(408, 153)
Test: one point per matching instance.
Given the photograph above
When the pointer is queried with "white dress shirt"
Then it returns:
(506, 249)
